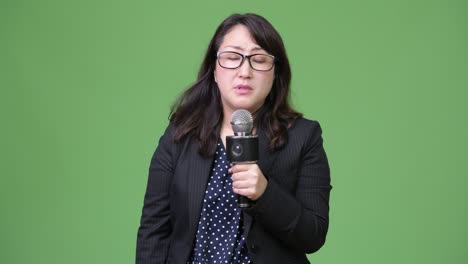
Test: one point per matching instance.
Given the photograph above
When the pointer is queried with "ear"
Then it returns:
(214, 74)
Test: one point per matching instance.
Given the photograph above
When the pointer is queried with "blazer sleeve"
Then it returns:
(153, 239)
(299, 220)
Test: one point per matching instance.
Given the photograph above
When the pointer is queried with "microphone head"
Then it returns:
(242, 122)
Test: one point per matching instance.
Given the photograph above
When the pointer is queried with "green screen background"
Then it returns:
(86, 88)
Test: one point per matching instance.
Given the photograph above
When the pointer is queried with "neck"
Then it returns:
(226, 129)
(226, 123)
(226, 126)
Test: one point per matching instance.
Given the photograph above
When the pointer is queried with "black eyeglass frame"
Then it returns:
(248, 59)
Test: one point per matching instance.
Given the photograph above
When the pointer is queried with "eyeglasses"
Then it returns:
(233, 60)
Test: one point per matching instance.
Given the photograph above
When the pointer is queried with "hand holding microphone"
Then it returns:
(248, 181)
(242, 151)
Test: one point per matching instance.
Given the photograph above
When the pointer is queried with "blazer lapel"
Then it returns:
(199, 173)
(266, 157)
(265, 161)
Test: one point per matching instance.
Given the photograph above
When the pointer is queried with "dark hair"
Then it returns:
(198, 112)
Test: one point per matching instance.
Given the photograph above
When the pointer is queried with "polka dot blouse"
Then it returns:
(220, 236)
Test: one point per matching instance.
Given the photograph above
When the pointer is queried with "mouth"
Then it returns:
(243, 89)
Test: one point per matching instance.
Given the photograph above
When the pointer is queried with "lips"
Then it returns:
(243, 89)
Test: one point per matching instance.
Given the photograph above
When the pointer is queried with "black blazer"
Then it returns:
(289, 220)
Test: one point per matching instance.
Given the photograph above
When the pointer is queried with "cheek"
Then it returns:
(268, 84)
(220, 76)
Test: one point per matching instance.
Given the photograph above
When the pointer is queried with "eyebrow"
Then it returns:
(240, 48)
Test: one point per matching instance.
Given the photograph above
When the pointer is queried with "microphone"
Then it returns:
(243, 146)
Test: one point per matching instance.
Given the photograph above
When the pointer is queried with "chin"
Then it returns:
(251, 109)
(248, 107)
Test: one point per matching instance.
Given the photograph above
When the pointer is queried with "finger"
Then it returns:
(241, 176)
(242, 184)
(241, 167)
(247, 192)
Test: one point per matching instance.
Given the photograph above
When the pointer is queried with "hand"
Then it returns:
(248, 180)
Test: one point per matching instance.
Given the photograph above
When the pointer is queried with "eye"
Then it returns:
(260, 59)
(233, 57)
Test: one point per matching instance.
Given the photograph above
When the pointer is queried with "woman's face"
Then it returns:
(243, 87)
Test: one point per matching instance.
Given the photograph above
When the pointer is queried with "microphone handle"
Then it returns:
(243, 202)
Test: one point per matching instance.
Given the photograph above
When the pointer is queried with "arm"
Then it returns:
(300, 220)
(155, 229)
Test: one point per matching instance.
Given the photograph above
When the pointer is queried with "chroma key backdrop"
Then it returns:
(86, 88)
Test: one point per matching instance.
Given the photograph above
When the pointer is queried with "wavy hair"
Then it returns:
(198, 111)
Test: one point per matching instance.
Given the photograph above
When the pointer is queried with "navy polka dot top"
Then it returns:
(220, 236)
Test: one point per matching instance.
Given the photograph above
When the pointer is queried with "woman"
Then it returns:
(190, 213)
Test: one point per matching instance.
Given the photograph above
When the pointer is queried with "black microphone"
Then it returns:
(243, 146)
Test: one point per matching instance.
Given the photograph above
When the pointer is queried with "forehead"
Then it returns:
(239, 38)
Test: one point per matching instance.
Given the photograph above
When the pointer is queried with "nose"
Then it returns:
(245, 71)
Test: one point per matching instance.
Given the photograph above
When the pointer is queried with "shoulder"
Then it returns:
(305, 133)
(185, 144)
(168, 135)
(305, 126)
